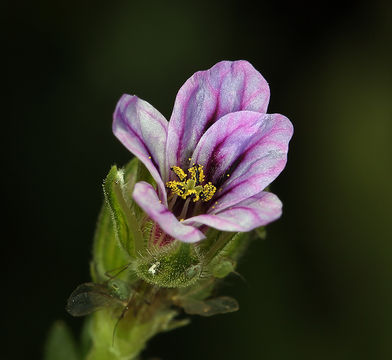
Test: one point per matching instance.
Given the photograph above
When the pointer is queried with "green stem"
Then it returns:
(146, 314)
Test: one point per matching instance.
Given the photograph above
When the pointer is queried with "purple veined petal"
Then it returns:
(258, 210)
(146, 197)
(143, 131)
(227, 87)
(242, 153)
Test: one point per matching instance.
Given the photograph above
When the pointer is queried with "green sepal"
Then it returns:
(261, 232)
(177, 265)
(130, 173)
(107, 254)
(117, 227)
(125, 224)
(220, 269)
(224, 253)
(236, 246)
(134, 172)
(60, 344)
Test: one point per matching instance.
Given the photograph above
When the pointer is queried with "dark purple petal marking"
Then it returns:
(206, 97)
(143, 131)
(258, 210)
(242, 153)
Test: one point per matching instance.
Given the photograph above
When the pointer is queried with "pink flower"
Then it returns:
(212, 161)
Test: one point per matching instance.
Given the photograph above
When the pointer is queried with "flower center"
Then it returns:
(193, 185)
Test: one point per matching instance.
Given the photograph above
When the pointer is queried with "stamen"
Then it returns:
(193, 187)
(173, 201)
(208, 192)
(185, 209)
(197, 174)
(177, 187)
(179, 172)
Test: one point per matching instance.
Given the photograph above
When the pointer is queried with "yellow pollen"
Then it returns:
(193, 185)
(179, 172)
(149, 157)
(181, 220)
(228, 175)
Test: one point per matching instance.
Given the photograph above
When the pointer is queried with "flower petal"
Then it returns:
(146, 197)
(143, 130)
(228, 86)
(242, 153)
(247, 215)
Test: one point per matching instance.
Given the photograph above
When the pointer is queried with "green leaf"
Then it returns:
(125, 224)
(199, 291)
(60, 344)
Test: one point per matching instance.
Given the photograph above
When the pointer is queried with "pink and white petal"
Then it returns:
(242, 153)
(227, 87)
(146, 197)
(143, 131)
(258, 210)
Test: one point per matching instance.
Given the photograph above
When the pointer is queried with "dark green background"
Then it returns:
(320, 286)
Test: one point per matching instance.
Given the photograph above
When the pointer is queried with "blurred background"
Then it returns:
(320, 285)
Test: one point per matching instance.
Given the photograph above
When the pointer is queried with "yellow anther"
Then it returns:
(179, 172)
(208, 192)
(192, 192)
(149, 157)
(193, 186)
(181, 220)
(197, 174)
(228, 175)
(177, 187)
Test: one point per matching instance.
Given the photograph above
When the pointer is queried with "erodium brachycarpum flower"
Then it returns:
(213, 160)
